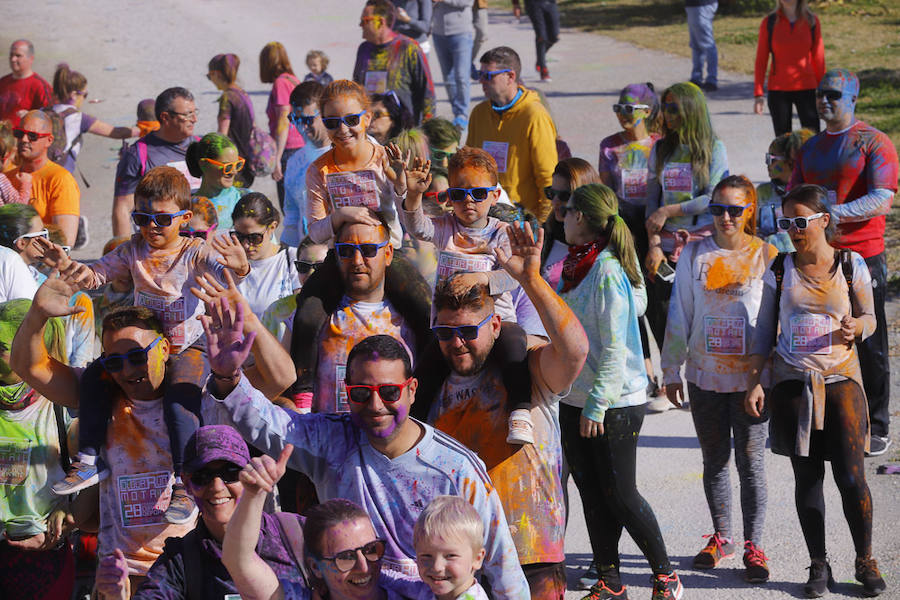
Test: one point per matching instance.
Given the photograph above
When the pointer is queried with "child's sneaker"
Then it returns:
(600, 591)
(521, 429)
(182, 508)
(667, 587)
(81, 476)
(756, 567)
(717, 550)
(867, 573)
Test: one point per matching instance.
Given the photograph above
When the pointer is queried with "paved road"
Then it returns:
(131, 51)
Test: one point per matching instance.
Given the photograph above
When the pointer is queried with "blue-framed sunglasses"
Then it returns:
(348, 250)
(445, 333)
(142, 219)
(489, 75)
(479, 194)
(299, 119)
(717, 210)
(348, 120)
(113, 363)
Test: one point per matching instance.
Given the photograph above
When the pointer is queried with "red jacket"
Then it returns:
(798, 52)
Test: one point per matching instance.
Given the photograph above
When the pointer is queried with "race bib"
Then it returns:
(342, 404)
(182, 167)
(725, 335)
(810, 334)
(677, 177)
(143, 498)
(15, 456)
(450, 263)
(498, 150)
(171, 310)
(634, 184)
(376, 82)
(355, 188)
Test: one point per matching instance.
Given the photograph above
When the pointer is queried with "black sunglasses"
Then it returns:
(142, 219)
(348, 120)
(251, 239)
(228, 474)
(346, 559)
(717, 210)
(304, 266)
(114, 363)
(830, 95)
(563, 195)
(348, 250)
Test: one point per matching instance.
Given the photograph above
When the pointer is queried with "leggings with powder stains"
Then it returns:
(605, 469)
(842, 441)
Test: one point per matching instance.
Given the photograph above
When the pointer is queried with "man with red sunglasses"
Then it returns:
(23, 89)
(54, 192)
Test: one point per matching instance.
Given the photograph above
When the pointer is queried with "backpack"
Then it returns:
(770, 27)
(778, 269)
(59, 149)
(262, 149)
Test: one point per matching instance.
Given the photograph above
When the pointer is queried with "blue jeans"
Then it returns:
(703, 43)
(454, 52)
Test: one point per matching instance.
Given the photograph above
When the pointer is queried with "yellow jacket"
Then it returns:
(523, 142)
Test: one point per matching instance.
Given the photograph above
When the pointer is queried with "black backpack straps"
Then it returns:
(846, 261)
(64, 459)
(778, 269)
(770, 27)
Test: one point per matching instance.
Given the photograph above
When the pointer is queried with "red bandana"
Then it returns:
(579, 261)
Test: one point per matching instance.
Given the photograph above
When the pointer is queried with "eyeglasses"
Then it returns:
(388, 392)
(228, 474)
(305, 266)
(186, 116)
(33, 136)
(771, 159)
(627, 109)
(142, 219)
(345, 560)
(348, 250)
(551, 193)
(197, 233)
(438, 154)
(348, 120)
(251, 239)
(671, 107)
(34, 234)
(489, 75)
(113, 363)
(830, 95)
(301, 119)
(717, 210)
(445, 333)
(801, 223)
(478, 194)
(229, 168)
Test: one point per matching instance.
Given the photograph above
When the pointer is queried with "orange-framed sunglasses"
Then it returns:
(229, 168)
(364, 20)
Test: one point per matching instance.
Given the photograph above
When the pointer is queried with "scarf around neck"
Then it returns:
(579, 261)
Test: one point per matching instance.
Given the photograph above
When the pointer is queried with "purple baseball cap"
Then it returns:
(215, 442)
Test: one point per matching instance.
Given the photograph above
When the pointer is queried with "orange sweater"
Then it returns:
(798, 55)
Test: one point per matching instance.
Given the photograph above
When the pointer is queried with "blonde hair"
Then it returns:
(449, 517)
(320, 55)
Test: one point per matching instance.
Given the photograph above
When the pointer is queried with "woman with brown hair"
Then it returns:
(275, 68)
(235, 116)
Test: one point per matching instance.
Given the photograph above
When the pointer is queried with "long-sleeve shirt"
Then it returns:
(522, 140)
(296, 226)
(676, 183)
(452, 17)
(399, 66)
(337, 456)
(798, 55)
(419, 25)
(608, 306)
(713, 312)
(623, 167)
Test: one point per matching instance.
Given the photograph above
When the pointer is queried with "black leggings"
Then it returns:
(544, 17)
(843, 443)
(604, 469)
(781, 109)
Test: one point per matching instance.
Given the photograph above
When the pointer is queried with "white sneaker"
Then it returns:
(660, 404)
(521, 429)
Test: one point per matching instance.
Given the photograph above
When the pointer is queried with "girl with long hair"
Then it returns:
(235, 116)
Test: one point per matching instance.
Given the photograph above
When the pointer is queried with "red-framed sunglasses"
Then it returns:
(388, 392)
(33, 136)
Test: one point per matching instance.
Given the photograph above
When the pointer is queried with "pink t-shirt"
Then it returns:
(281, 96)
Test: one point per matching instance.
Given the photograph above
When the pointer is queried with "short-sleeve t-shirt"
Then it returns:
(351, 323)
(281, 96)
(16, 280)
(27, 93)
(225, 202)
(76, 124)
(270, 279)
(159, 152)
(849, 165)
(236, 106)
(53, 192)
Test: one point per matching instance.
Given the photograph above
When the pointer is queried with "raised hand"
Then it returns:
(418, 176)
(227, 346)
(112, 576)
(394, 165)
(524, 263)
(53, 298)
(52, 255)
(210, 291)
(262, 473)
(232, 254)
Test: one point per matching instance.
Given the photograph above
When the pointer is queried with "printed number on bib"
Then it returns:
(499, 151)
(725, 335)
(634, 184)
(376, 82)
(357, 188)
(15, 456)
(450, 263)
(143, 498)
(810, 334)
(677, 177)
(340, 392)
(171, 310)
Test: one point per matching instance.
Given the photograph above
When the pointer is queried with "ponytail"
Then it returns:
(600, 208)
(211, 146)
(66, 81)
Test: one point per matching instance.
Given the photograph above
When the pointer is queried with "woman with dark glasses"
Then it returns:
(819, 302)
(712, 316)
(215, 160)
(343, 553)
(193, 566)
(389, 117)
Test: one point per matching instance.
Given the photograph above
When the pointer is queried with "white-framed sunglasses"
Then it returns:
(801, 223)
(34, 234)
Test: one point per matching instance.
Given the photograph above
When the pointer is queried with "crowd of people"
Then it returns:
(378, 383)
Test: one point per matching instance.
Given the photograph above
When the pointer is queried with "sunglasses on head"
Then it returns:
(348, 250)
(251, 239)
(229, 168)
(489, 75)
(345, 560)
(142, 219)
(830, 95)
(551, 193)
(43, 233)
(388, 392)
(228, 474)
(197, 233)
(627, 109)
(771, 159)
(670, 107)
(113, 363)
(305, 266)
(33, 136)
(348, 120)
(717, 210)
(438, 154)
(445, 333)
(801, 223)
(478, 194)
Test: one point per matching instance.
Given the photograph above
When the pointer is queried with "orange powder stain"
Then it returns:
(736, 270)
